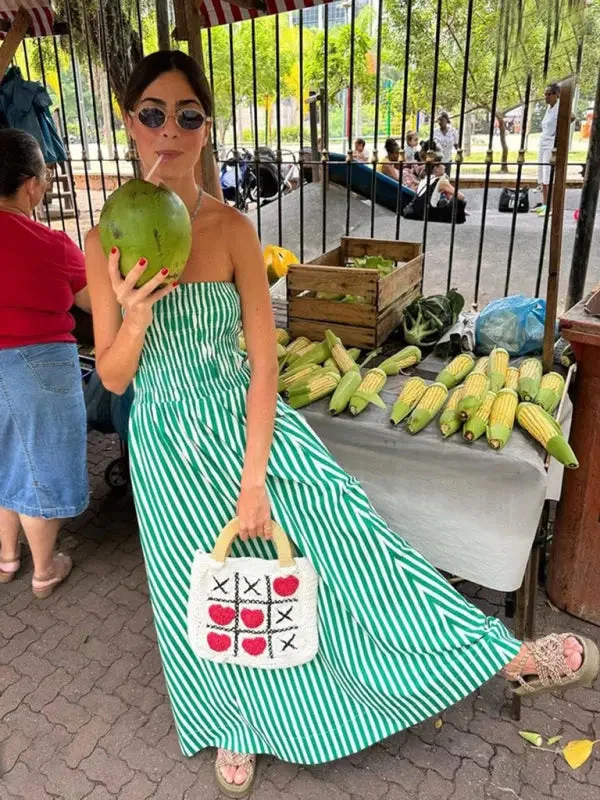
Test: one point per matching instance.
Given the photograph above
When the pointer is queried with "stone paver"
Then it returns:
(84, 713)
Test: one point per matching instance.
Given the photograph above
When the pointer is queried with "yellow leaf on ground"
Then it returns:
(577, 752)
(438, 723)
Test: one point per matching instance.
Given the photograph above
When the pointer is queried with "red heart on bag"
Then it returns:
(286, 587)
(222, 615)
(218, 642)
(254, 647)
(252, 619)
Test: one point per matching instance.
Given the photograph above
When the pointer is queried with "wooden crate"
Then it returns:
(365, 325)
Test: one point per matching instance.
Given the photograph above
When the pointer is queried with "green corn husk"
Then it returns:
(354, 353)
(298, 344)
(293, 376)
(450, 421)
(475, 426)
(281, 352)
(498, 435)
(402, 408)
(450, 380)
(331, 366)
(318, 353)
(422, 416)
(405, 358)
(311, 393)
(529, 387)
(561, 450)
(547, 397)
(344, 391)
(307, 382)
(283, 337)
(533, 738)
(497, 378)
(360, 400)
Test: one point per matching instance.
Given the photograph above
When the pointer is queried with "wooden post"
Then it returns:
(556, 229)
(18, 29)
(162, 24)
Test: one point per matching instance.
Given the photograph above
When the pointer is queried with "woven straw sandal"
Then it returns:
(43, 589)
(226, 758)
(8, 569)
(553, 670)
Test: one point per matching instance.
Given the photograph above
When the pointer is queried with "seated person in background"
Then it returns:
(441, 195)
(392, 167)
(360, 152)
(411, 146)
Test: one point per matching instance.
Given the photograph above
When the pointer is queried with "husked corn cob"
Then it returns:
(427, 408)
(511, 381)
(283, 337)
(316, 353)
(404, 358)
(298, 344)
(242, 342)
(345, 389)
(457, 370)
(294, 376)
(546, 430)
(474, 391)
(323, 385)
(550, 391)
(339, 353)
(368, 391)
(450, 420)
(411, 393)
(476, 424)
(482, 365)
(331, 366)
(530, 377)
(502, 418)
(497, 368)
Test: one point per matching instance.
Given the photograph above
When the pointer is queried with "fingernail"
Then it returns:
(143, 262)
(164, 271)
(175, 283)
(114, 251)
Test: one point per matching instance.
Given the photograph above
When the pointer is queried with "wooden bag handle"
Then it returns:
(226, 538)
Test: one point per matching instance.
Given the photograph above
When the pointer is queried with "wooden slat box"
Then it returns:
(367, 324)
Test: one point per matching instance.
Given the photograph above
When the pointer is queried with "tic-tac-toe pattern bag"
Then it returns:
(252, 611)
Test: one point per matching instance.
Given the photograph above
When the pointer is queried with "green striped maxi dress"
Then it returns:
(397, 643)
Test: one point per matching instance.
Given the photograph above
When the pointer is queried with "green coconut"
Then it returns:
(147, 221)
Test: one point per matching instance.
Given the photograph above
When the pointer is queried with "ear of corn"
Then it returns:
(550, 391)
(511, 381)
(474, 391)
(298, 344)
(497, 368)
(411, 393)
(482, 365)
(322, 384)
(402, 360)
(427, 408)
(347, 386)
(368, 391)
(331, 366)
(242, 342)
(502, 418)
(316, 353)
(457, 370)
(281, 352)
(354, 353)
(283, 337)
(339, 353)
(530, 377)
(294, 376)
(546, 430)
(450, 420)
(476, 424)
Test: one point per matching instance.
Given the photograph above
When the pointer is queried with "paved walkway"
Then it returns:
(84, 712)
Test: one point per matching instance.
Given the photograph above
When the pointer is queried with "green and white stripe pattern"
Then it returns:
(397, 643)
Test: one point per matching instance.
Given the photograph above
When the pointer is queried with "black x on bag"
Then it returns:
(508, 197)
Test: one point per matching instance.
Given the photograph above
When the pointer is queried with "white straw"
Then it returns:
(156, 163)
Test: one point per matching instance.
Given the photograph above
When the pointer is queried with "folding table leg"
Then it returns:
(521, 617)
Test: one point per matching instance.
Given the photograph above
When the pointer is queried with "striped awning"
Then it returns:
(39, 10)
(220, 12)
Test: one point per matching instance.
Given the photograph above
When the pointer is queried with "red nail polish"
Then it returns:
(143, 262)
(114, 251)
(164, 271)
(175, 283)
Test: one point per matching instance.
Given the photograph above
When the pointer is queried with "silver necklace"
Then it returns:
(198, 204)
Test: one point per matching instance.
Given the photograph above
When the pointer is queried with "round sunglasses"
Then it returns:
(188, 119)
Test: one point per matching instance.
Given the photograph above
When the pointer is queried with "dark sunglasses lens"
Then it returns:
(152, 117)
(190, 119)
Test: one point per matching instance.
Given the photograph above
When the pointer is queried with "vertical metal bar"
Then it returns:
(93, 91)
(489, 157)
(211, 72)
(377, 106)
(404, 107)
(234, 118)
(520, 162)
(325, 127)
(278, 112)
(350, 112)
(538, 280)
(104, 51)
(140, 26)
(255, 112)
(548, 41)
(58, 189)
(301, 71)
(461, 132)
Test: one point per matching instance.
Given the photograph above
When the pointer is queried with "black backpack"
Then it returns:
(508, 198)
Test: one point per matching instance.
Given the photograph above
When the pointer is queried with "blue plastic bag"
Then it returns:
(515, 323)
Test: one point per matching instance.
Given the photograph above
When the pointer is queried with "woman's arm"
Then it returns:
(391, 171)
(118, 342)
(82, 300)
(259, 332)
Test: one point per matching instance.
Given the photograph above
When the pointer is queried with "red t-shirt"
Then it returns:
(42, 270)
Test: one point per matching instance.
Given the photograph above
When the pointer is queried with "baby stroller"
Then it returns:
(108, 413)
(237, 172)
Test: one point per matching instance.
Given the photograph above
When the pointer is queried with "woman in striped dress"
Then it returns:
(210, 440)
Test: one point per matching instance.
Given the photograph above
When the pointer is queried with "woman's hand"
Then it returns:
(137, 302)
(254, 513)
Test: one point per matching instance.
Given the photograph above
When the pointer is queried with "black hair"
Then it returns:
(360, 141)
(444, 115)
(156, 64)
(391, 145)
(21, 159)
(554, 88)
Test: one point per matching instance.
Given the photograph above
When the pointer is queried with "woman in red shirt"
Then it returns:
(43, 473)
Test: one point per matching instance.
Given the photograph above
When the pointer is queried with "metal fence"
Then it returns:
(438, 54)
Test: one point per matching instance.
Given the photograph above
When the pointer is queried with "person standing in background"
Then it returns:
(549, 122)
(446, 138)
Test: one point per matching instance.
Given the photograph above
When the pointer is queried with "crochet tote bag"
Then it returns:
(252, 611)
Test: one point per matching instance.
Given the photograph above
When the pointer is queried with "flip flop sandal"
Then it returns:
(43, 589)
(8, 569)
(226, 758)
(553, 670)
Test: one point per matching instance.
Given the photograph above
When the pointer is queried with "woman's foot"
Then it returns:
(235, 772)
(43, 584)
(10, 563)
